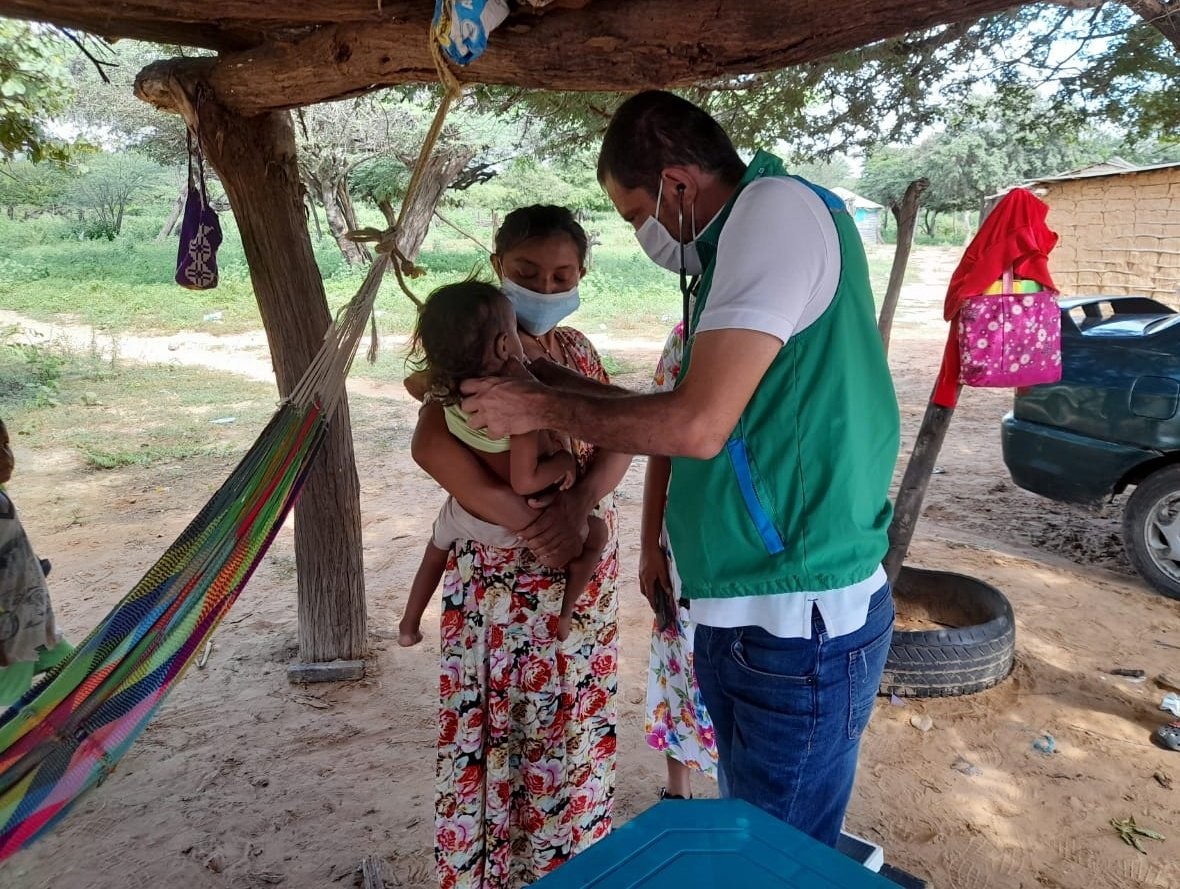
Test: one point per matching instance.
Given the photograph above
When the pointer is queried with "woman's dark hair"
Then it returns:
(655, 129)
(450, 338)
(539, 221)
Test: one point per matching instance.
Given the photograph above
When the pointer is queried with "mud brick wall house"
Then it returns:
(1120, 229)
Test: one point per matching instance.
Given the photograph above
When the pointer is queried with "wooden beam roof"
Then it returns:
(283, 53)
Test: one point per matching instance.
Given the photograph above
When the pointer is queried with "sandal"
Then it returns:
(665, 795)
(1167, 736)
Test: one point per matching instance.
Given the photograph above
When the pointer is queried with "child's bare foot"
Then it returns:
(564, 624)
(408, 634)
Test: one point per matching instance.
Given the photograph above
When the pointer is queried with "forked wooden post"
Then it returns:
(907, 220)
(255, 160)
(908, 506)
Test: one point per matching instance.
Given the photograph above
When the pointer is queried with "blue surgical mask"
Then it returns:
(539, 313)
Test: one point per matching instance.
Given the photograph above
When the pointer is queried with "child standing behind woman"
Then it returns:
(468, 330)
(677, 723)
(29, 641)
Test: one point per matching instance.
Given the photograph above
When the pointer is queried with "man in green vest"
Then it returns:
(783, 429)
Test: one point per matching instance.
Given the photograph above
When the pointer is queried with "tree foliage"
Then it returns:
(106, 186)
(26, 184)
(1091, 59)
(34, 86)
(991, 143)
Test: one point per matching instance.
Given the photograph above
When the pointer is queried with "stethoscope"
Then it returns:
(688, 285)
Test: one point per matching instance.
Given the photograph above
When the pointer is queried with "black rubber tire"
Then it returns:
(975, 652)
(1160, 484)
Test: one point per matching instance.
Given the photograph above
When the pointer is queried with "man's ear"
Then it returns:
(682, 182)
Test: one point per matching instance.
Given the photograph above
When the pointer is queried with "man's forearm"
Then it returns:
(658, 424)
(560, 377)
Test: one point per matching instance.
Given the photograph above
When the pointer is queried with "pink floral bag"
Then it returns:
(1010, 338)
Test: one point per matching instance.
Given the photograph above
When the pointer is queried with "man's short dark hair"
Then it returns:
(656, 129)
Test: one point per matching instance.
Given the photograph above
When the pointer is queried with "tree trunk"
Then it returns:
(907, 217)
(1163, 15)
(354, 254)
(173, 215)
(309, 208)
(119, 220)
(255, 158)
(388, 211)
(929, 217)
(441, 170)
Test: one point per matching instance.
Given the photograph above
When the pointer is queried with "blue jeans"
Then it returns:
(789, 713)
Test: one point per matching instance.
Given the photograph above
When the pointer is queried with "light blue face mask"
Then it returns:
(539, 313)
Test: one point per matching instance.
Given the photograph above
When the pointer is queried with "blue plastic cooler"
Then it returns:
(725, 842)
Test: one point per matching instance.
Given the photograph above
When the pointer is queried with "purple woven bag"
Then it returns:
(200, 232)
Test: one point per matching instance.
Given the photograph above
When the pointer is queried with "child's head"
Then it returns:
(464, 330)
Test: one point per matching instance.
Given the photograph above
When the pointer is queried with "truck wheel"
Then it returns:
(973, 649)
(1151, 530)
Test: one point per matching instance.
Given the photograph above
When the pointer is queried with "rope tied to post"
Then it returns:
(385, 242)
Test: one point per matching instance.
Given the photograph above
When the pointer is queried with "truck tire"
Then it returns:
(1151, 530)
(975, 648)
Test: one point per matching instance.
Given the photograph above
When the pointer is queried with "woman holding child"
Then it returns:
(526, 746)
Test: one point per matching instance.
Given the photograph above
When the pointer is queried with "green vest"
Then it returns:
(798, 499)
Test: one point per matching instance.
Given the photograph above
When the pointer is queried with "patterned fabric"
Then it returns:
(1013, 339)
(668, 368)
(200, 231)
(677, 724)
(526, 745)
(26, 616)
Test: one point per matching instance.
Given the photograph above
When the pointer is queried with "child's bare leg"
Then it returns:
(430, 572)
(579, 572)
(678, 779)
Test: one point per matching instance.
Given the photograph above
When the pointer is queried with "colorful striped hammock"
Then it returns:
(70, 730)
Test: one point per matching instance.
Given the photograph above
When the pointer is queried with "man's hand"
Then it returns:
(558, 534)
(516, 369)
(502, 406)
(655, 579)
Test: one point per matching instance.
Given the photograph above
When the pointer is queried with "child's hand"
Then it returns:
(653, 573)
(567, 481)
(542, 501)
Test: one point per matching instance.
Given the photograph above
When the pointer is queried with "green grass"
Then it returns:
(126, 285)
(121, 415)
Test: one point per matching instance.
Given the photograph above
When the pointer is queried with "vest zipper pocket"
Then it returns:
(739, 457)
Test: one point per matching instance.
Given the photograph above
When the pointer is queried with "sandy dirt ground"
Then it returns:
(244, 780)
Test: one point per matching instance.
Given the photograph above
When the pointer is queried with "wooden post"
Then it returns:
(907, 218)
(255, 160)
(908, 506)
(372, 873)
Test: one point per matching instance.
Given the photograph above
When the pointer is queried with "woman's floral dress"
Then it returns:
(526, 742)
(677, 723)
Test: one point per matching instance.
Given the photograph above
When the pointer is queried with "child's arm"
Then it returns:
(416, 384)
(653, 563)
(529, 472)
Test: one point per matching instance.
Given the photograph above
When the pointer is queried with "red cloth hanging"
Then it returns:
(1013, 235)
